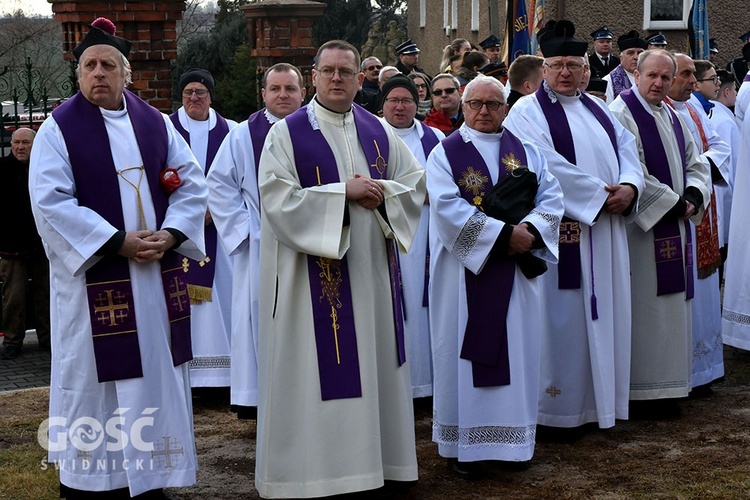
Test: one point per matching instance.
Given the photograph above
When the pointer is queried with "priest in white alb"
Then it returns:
(708, 355)
(585, 370)
(210, 280)
(340, 196)
(399, 105)
(118, 199)
(235, 207)
(485, 309)
(662, 284)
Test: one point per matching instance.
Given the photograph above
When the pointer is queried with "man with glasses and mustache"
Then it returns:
(340, 196)
(446, 114)
(485, 314)
(586, 334)
(209, 281)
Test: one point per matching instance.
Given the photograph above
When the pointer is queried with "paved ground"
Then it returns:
(30, 369)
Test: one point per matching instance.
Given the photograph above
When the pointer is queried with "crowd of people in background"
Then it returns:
(538, 246)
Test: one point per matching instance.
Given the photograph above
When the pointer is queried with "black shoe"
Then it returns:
(45, 348)
(471, 471)
(10, 352)
(509, 466)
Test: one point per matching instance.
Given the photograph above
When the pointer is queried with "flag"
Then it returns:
(536, 22)
(698, 31)
(517, 40)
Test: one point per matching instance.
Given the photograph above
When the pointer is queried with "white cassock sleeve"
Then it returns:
(233, 189)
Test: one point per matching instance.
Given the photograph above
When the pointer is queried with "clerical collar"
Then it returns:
(470, 134)
(329, 109)
(114, 113)
(403, 132)
(270, 116)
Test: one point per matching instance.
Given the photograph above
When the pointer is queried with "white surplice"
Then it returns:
(71, 235)
(742, 104)
(210, 321)
(661, 357)
(413, 271)
(708, 352)
(235, 207)
(585, 369)
(736, 311)
(308, 447)
(725, 124)
(487, 423)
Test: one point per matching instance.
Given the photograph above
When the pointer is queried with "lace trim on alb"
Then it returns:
(487, 435)
(469, 235)
(553, 225)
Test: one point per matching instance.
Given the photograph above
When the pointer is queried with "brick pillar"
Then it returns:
(281, 31)
(150, 25)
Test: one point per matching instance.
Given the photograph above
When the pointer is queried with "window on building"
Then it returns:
(666, 14)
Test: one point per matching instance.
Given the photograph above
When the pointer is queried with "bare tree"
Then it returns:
(31, 59)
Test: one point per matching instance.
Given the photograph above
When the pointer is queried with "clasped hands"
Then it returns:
(365, 191)
(146, 246)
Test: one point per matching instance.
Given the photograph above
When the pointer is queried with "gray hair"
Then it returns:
(384, 70)
(483, 80)
(371, 58)
(455, 81)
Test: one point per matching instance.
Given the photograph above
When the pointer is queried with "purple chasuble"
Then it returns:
(330, 288)
(673, 274)
(488, 293)
(569, 266)
(259, 127)
(429, 141)
(619, 80)
(108, 286)
(200, 275)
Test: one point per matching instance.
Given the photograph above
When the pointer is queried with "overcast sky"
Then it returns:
(29, 7)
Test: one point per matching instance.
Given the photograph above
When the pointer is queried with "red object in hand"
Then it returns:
(170, 180)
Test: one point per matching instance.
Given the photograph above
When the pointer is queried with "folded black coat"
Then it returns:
(510, 200)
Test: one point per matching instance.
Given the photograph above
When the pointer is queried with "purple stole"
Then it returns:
(330, 288)
(488, 293)
(200, 275)
(747, 78)
(673, 274)
(569, 267)
(259, 127)
(108, 286)
(619, 80)
(429, 141)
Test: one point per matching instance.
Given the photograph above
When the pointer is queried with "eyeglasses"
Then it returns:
(476, 104)
(396, 101)
(421, 85)
(559, 66)
(344, 73)
(373, 68)
(714, 79)
(200, 94)
(448, 91)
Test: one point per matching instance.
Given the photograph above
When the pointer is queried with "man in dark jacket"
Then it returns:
(21, 254)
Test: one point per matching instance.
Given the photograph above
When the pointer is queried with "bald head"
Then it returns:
(684, 80)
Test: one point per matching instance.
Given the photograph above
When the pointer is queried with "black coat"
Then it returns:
(598, 70)
(18, 234)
